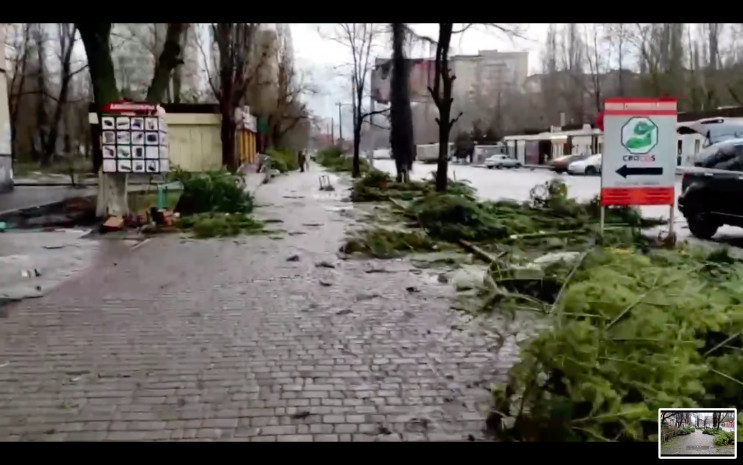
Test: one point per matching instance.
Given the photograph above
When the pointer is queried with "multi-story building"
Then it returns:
(485, 82)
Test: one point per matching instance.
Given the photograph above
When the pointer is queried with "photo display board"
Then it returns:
(134, 144)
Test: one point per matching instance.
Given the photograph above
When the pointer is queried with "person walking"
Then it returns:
(302, 159)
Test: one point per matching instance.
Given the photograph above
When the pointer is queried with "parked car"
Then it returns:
(501, 161)
(560, 164)
(590, 165)
(712, 189)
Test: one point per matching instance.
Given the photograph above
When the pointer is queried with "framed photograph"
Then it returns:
(163, 152)
(123, 137)
(122, 122)
(138, 124)
(151, 138)
(123, 151)
(138, 166)
(150, 123)
(164, 166)
(138, 151)
(109, 151)
(137, 137)
(152, 166)
(697, 433)
(108, 122)
(109, 137)
(124, 166)
(151, 153)
(109, 166)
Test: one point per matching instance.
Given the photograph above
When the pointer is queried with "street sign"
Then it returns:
(638, 165)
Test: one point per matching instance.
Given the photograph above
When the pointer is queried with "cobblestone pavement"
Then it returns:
(227, 339)
(696, 443)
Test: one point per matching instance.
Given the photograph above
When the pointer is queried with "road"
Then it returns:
(25, 197)
(515, 184)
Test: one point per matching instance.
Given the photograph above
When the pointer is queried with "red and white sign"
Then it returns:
(638, 166)
(131, 107)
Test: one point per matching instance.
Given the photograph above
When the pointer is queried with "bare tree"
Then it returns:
(66, 33)
(288, 109)
(112, 189)
(442, 98)
(359, 38)
(237, 63)
(595, 62)
(618, 34)
(21, 50)
(401, 115)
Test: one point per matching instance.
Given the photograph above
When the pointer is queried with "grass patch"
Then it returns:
(336, 161)
(205, 225)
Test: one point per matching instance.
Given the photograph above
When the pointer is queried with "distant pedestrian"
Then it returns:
(302, 159)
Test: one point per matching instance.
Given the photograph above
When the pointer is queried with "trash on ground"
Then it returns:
(114, 223)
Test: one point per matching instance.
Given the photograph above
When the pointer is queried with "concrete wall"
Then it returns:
(194, 141)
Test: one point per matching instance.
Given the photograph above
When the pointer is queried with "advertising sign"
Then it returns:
(134, 139)
(639, 160)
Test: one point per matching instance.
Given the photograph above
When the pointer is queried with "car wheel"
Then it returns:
(490, 167)
(518, 165)
(591, 171)
(702, 225)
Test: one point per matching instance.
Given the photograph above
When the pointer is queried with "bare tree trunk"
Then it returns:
(169, 59)
(67, 44)
(441, 94)
(112, 190)
(401, 116)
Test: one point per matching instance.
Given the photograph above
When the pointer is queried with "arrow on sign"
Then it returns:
(624, 171)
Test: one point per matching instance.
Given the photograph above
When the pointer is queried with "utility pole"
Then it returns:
(340, 121)
(332, 131)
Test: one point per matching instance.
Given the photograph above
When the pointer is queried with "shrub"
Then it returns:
(213, 191)
(283, 160)
(629, 335)
(712, 431)
(724, 438)
(335, 160)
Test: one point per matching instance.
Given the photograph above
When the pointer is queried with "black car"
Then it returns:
(712, 191)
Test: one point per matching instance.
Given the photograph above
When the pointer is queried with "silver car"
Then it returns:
(501, 161)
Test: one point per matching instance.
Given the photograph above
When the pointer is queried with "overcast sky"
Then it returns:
(322, 60)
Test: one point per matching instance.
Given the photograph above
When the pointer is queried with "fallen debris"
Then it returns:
(343, 312)
(326, 283)
(293, 258)
(324, 264)
(114, 223)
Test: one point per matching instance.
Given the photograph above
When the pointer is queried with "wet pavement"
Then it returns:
(26, 197)
(248, 339)
(696, 443)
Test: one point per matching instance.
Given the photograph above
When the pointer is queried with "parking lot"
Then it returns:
(515, 184)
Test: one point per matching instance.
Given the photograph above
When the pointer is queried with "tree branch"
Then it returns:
(377, 112)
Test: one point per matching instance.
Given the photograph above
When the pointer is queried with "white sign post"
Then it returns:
(638, 166)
